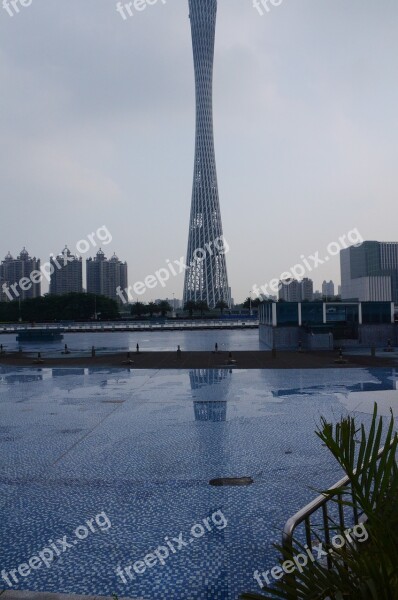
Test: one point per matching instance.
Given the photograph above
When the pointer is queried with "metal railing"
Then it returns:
(328, 522)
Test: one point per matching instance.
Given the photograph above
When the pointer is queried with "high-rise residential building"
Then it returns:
(3, 295)
(307, 289)
(369, 272)
(67, 273)
(328, 289)
(105, 276)
(21, 277)
(206, 278)
(292, 290)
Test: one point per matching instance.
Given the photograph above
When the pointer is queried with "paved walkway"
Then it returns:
(14, 595)
(207, 360)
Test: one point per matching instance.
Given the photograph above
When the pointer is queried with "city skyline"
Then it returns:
(305, 131)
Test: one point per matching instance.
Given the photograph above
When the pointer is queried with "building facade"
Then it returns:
(328, 289)
(206, 278)
(307, 290)
(105, 276)
(67, 273)
(292, 290)
(20, 277)
(327, 325)
(289, 290)
(370, 272)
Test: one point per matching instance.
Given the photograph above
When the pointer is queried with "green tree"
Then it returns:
(138, 309)
(190, 306)
(164, 307)
(152, 308)
(202, 306)
(254, 303)
(221, 305)
(67, 307)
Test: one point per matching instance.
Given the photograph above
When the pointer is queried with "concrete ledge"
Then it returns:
(15, 595)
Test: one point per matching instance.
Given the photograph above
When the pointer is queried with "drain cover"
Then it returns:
(231, 481)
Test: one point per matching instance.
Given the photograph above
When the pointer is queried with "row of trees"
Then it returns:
(191, 306)
(85, 307)
(139, 309)
(69, 307)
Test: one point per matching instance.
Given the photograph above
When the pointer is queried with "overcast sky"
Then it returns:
(98, 117)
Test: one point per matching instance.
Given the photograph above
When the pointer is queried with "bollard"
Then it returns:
(39, 360)
(216, 347)
(373, 351)
(92, 352)
(231, 361)
(128, 360)
(138, 349)
(340, 360)
(178, 352)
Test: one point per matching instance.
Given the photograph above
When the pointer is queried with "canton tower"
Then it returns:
(206, 276)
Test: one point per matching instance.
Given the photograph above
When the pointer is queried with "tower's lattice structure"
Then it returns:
(206, 278)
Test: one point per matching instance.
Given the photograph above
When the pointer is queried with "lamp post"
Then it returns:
(250, 303)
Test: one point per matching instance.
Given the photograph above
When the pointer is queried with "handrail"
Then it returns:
(304, 516)
(308, 510)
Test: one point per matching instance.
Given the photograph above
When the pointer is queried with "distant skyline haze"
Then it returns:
(98, 115)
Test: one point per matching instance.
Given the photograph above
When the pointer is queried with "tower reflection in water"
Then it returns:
(210, 392)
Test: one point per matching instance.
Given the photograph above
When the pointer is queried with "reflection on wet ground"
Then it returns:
(142, 446)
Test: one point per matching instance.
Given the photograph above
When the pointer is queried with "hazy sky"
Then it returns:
(97, 128)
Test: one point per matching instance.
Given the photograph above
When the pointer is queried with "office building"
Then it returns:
(67, 273)
(369, 272)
